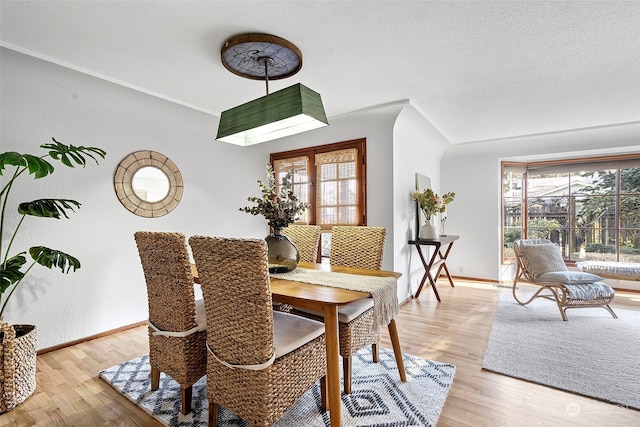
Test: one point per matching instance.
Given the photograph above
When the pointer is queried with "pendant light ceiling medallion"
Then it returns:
(283, 113)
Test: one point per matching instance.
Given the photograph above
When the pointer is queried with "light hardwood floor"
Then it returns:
(69, 392)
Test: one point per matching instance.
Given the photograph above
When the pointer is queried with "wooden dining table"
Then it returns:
(328, 299)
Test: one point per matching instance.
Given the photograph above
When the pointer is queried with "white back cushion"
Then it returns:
(540, 259)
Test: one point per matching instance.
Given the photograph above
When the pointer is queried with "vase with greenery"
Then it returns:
(431, 204)
(280, 207)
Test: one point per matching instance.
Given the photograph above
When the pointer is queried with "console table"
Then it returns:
(439, 244)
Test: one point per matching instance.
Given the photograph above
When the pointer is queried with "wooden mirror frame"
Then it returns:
(123, 179)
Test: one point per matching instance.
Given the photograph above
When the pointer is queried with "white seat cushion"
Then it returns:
(569, 277)
(350, 311)
(291, 331)
(347, 312)
(201, 318)
(611, 270)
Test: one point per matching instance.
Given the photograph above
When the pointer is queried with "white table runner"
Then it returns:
(383, 290)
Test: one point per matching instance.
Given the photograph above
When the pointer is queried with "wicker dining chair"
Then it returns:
(358, 247)
(306, 238)
(177, 326)
(261, 361)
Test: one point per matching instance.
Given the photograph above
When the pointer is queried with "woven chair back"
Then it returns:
(306, 238)
(167, 271)
(234, 277)
(357, 246)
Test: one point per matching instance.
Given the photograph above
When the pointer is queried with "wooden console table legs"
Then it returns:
(438, 259)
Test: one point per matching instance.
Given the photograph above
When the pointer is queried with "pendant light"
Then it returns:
(283, 113)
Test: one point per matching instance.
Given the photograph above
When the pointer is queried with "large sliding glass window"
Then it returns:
(589, 207)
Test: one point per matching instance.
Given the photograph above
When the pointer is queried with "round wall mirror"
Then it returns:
(148, 184)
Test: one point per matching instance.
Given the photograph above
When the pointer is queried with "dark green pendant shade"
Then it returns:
(283, 113)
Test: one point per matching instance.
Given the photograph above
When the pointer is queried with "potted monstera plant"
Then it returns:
(18, 342)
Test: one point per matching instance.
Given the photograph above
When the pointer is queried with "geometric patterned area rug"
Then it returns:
(378, 397)
(592, 354)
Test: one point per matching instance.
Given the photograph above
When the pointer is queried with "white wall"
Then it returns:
(473, 172)
(418, 148)
(40, 100)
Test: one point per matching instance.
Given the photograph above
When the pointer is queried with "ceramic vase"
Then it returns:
(429, 230)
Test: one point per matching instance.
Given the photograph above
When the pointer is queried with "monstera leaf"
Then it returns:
(10, 272)
(52, 258)
(47, 208)
(66, 153)
(35, 165)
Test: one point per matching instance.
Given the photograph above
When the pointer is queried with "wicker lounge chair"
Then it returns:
(539, 263)
(306, 238)
(260, 361)
(177, 327)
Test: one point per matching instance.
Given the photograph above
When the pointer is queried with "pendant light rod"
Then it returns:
(267, 61)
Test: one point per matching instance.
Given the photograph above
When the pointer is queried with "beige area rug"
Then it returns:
(592, 354)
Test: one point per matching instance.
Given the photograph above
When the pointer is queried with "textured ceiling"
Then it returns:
(476, 70)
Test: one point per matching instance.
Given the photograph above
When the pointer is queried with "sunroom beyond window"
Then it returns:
(590, 208)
